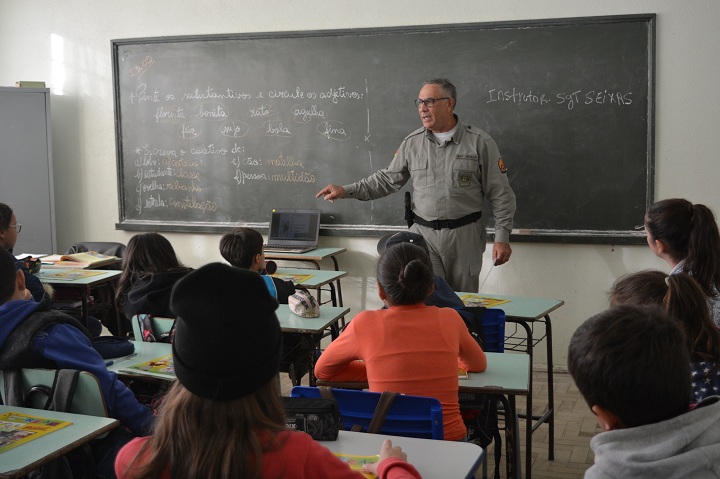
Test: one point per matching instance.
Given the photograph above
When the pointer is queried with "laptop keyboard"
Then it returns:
(285, 249)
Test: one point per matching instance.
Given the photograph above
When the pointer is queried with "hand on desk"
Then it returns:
(387, 450)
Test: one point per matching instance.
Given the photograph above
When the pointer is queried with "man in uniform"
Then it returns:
(454, 168)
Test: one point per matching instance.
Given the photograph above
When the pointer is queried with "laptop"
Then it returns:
(293, 231)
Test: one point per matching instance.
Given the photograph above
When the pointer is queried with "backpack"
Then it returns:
(147, 330)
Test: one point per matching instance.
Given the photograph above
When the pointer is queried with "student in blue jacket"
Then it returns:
(32, 335)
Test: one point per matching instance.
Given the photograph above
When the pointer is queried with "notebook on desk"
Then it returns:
(293, 231)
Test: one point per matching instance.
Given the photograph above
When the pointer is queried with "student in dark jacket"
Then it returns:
(150, 269)
(9, 229)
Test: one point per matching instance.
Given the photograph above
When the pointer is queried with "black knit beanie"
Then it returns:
(227, 337)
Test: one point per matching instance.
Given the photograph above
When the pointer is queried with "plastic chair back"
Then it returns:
(410, 416)
(88, 398)
(160, 326)
(489, 325)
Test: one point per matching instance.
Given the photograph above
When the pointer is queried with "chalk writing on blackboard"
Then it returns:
(262, 120)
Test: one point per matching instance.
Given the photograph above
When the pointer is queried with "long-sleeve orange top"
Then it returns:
(413, 350)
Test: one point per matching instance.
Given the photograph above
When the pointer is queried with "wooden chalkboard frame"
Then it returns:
(605, 236)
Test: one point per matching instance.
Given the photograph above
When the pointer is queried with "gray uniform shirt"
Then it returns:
(450, 179)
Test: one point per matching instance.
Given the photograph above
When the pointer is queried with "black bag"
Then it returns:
(316, 416)
(480, 415)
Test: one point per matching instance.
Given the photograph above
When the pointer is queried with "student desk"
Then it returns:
(72, 278)
(312, 327)
(506, 376)
(144, 352)
(314, 257)
(527, 311)
(289, 323)
(432, 458)
(320, 278)
(27, 457)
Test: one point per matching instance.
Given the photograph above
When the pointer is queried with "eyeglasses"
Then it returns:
(18, 226)
(429, 102)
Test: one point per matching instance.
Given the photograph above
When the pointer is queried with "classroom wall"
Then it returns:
(67, 44)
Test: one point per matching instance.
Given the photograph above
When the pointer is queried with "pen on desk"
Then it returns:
(110, 363)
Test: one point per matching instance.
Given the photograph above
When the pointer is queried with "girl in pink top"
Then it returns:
(408, 348)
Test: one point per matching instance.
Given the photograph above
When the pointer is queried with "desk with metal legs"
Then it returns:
(289, 323)
(81, 280)
(526, 311)
(318, 278)
(314, 257)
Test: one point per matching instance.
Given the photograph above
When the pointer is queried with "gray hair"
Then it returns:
(447, 87)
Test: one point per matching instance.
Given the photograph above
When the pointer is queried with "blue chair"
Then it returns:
(410, 416)
(488, 325)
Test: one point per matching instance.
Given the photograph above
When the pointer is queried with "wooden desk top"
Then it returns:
(27, 457)
(432, 458)
(318, 254)
(523, 307)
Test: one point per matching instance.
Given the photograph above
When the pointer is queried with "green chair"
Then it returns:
(87, 399)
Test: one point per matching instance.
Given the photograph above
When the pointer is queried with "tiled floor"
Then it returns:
(574, 426)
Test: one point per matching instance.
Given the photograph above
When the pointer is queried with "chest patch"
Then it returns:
(464, 179)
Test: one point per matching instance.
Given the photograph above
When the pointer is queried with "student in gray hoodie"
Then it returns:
(631, 365)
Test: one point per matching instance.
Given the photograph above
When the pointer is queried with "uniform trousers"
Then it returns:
(456, 254)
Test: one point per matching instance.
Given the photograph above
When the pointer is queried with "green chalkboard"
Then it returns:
(215, 131)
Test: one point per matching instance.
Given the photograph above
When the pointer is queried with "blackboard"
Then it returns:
(214, 131)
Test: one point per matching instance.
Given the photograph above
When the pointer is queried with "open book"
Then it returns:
(356, 463)
(17, 428)
(78, 260)
(161, 367)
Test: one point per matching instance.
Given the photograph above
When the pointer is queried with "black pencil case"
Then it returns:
(316, 416)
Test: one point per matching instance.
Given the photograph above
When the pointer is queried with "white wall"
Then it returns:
(687, 113)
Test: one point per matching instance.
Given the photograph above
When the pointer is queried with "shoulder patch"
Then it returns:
(501, 165)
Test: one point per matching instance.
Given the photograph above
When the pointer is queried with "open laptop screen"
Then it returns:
(294, 228)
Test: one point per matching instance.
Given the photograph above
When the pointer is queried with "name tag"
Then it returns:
(466, 157)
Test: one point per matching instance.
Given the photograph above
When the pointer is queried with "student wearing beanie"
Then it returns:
(222, 418)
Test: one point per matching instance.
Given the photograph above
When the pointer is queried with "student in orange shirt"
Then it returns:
(408, 348)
